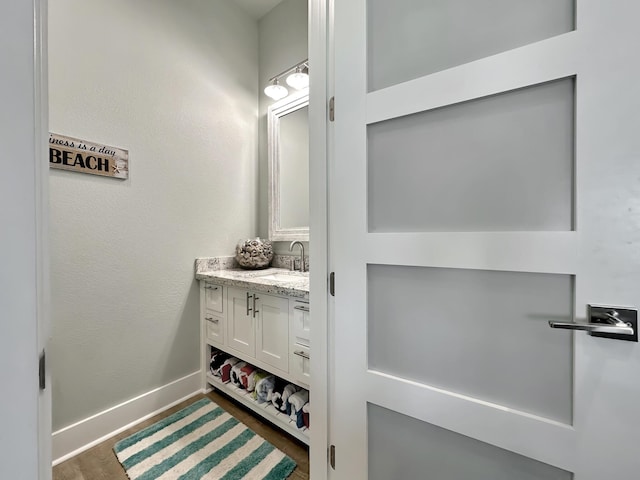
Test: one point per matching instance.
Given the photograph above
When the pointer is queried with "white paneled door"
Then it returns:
(487, 182)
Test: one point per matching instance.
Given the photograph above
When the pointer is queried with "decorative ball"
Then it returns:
(254, 253)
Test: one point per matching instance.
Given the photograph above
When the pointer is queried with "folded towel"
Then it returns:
(225, 369)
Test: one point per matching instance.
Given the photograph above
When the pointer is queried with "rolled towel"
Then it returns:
(278, 387)
(236, 371)
(275, 397)
(246, 377)
(263, 381)
(297, 401)
(276, 400)
(217, 360)
(286, 393)
(305, 414)
(225, 369)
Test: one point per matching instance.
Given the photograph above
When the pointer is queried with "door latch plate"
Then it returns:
(596, 314)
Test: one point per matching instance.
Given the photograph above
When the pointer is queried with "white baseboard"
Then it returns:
(74, 439)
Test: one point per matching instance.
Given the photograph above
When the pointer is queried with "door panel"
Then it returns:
(420, 447)
(474, 203)
(476, 333)
(499, 163)
(441, 34)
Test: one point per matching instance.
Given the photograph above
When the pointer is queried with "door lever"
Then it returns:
(607, 322)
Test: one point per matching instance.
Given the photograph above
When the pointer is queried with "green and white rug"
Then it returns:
(201, 441)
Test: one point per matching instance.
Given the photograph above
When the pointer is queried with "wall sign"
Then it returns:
(66, 153)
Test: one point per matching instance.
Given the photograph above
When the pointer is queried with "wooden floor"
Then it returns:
(100, 463)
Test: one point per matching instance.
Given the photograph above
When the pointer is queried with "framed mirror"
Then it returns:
(288, 154)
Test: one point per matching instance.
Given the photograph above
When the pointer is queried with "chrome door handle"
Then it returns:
(301, 308)
(608, 322)
(301, 354)
(254, 305)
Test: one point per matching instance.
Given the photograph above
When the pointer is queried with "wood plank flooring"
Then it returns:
(100, 463)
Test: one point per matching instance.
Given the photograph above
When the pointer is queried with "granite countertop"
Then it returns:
(278, 281)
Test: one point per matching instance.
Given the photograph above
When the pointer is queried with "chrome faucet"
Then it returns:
(293, 244)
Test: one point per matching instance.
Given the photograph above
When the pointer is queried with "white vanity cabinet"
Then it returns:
(266, 330)
(261, 318)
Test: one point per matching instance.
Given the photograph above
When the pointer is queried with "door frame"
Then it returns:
(320, 73)
(35, 329)
(43, 288)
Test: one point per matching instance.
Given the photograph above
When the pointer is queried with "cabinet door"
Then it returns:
(240, 323)
(272, 332)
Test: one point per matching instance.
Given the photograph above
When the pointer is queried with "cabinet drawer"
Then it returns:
(213, 297)
(300, 323)
(301, 363)
(214, 329)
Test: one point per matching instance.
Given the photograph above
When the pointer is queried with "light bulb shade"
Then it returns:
(276, 91)
(298, 80)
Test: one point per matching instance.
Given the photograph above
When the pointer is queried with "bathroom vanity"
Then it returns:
(260, 317)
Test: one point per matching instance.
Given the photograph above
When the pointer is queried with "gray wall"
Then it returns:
(283, 36)
(174, 83)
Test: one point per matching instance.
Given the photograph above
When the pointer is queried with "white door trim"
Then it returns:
(318, 216)
(41, 133)
(24, 302)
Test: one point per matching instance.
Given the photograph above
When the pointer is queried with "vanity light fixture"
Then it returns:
(297, 77)
(275, 90)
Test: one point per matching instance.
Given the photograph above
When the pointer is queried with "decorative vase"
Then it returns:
(254, 253)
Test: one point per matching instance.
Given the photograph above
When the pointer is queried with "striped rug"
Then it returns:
(201, 441)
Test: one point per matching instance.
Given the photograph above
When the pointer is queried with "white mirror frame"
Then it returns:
(274, 113)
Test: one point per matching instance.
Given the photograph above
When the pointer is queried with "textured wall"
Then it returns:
(283, 43)
(176, 84)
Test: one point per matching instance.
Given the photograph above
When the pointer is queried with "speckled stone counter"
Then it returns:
(223, 271)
